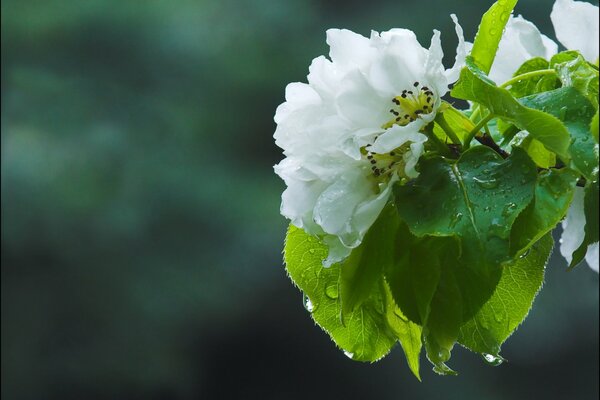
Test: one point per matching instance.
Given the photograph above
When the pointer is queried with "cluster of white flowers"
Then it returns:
(357, 126)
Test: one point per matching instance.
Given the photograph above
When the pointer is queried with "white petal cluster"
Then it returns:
(576, 27)
(355, 128)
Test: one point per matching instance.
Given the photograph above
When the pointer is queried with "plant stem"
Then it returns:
(488, 141)
(476, 130)
(528, 75)
(475, 113)
(441, 121)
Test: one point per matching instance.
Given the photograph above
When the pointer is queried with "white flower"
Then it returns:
(576, 27)
(520, 42)
(354, 130)
(573, 232)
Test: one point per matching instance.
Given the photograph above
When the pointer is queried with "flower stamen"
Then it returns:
(410, 105)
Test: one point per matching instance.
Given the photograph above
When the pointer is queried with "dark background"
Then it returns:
(141, 239)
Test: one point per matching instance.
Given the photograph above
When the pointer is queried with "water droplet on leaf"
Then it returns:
(349, 355)
(492, 359)
(486, 183)
(331, 291)
(307, 303)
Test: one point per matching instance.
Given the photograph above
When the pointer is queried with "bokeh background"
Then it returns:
(141, 238)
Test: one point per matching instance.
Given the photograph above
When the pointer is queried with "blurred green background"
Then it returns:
(141, 238)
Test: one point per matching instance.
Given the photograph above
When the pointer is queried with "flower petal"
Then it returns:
(520, 42)
(461, 52)
(361, 104)
(397, 135)
(348, 49)
(573, 232)
(576, 26)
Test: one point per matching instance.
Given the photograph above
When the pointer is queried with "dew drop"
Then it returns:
(529, 250)
(444, 355)
(331, 291)
(492, 359)
(307, 303)
(493, 32)
(562, 112)
(311, 251)
(486, 183)
(455, 219)
(349, 355)
(509, 209)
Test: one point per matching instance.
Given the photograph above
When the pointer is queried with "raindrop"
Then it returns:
(349, 355)
(509, 209)
(562, 113)
(307, 303)
(444, 355)
(455, 219)
(493, 32)
(492, 359)
(486, 183)
(331, 291)
(528, 251)
(311, 251)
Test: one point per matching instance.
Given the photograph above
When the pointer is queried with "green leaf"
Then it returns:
(459, 217)
(408, 333)
(590, 208)
(594, 127)
(456, 120)
(365, 334)
(490, 32)
(578, 73)
(536, 84)
(576, 112)
(474, 85)
(477, 199)
(361, 271)
(535, 149)
(421, 283)
(553, 194)
(510, 303)
(444, 320)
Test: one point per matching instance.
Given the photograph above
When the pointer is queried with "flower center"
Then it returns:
(410, 105)
(384, 165)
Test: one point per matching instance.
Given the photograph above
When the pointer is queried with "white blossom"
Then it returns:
(355, 129)
(520, 42)
(573, 232)
(576, 27)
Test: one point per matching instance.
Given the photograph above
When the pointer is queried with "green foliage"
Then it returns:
(576, 113)
(510, 303)
(574, 71)
(364, 334)
(553, 194)
(475, 199)
(490, 32)
(536, 84)
(362, 270)
(449, 118)
(475, 86)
